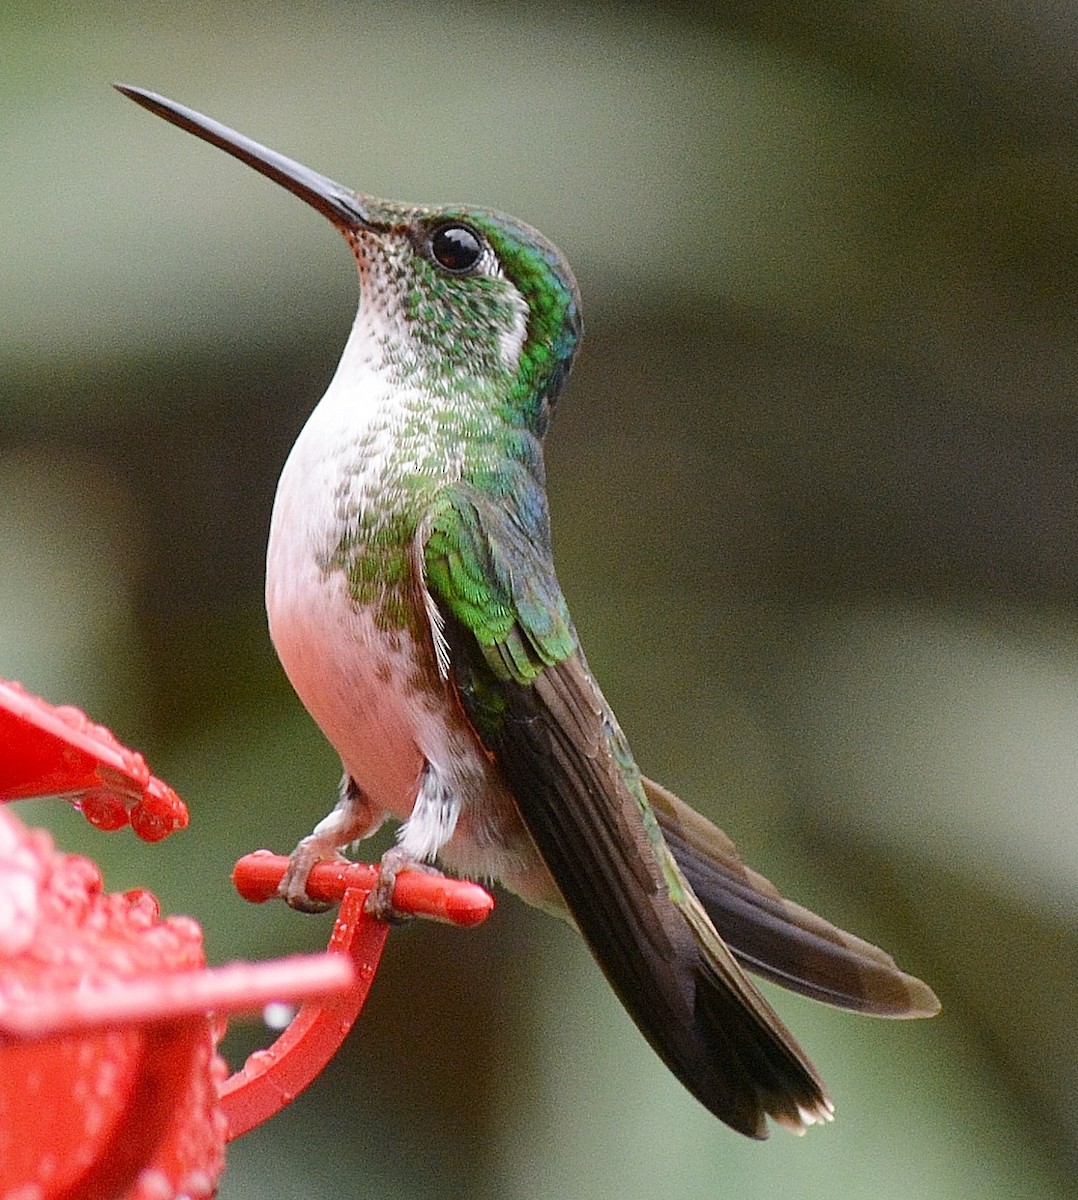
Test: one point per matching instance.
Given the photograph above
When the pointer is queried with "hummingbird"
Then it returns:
(413, 603)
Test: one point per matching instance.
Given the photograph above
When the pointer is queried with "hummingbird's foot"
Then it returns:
(351, 819)
(380, 901)
(428, 828)
(293, 886)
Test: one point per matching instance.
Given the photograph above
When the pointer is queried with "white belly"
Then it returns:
(352, 678)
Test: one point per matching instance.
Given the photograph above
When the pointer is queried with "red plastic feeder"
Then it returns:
(54, 750)
(110, 1085)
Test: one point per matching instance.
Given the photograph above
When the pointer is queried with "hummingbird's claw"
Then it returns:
(380, 901)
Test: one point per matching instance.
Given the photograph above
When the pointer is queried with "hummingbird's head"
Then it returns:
(467, 291)
(460, 290)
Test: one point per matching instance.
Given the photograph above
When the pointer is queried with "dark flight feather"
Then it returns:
(776, 938)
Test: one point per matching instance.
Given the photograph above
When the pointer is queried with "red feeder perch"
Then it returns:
(110, 1085)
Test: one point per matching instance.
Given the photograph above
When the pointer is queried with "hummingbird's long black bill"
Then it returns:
(340, 204)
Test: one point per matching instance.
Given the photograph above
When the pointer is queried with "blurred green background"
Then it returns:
(815, 507)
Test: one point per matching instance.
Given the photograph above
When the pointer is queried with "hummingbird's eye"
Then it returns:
(456, 248)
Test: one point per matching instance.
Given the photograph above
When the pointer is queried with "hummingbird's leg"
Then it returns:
(352, 818)
(430, 826)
